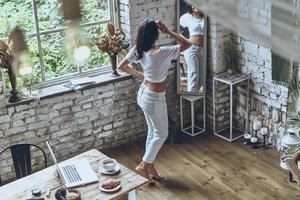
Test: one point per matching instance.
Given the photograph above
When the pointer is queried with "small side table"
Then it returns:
(192, 129)
(230, 80)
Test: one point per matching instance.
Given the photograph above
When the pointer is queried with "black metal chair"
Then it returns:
(21, 156)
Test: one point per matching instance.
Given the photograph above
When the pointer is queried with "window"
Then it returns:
(44, 28)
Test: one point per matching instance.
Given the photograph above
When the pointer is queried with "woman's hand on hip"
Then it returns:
(140, 75)
(123, 66)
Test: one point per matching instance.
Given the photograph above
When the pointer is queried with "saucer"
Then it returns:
(116, 170)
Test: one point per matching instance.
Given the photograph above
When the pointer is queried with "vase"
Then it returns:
(15, 96)
(113, 62)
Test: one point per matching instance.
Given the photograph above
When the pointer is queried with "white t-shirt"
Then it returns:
(155, 65)
(194, 25)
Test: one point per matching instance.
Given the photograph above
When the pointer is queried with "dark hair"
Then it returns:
(189, 8)
(146, 37)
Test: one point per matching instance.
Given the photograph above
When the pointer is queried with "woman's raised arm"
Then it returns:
(183, 42)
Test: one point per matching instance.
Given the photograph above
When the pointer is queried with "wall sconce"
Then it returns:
(21, 62)
(75, 42)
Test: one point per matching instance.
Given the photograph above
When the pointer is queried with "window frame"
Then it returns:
(39, 33)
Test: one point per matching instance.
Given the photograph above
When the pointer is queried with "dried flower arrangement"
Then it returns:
(6, 59)
(112, 43)
(5, 55)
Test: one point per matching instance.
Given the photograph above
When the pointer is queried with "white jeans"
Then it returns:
(194, 59)
(155, 110)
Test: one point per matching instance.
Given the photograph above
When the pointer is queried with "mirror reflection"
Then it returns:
(192, 70)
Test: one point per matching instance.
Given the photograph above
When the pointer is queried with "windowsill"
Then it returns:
(60, 89)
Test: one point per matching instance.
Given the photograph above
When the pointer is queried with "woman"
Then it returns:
(155, 62)
(194, 21)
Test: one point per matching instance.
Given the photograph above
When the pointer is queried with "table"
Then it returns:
(294, 172)
(191, 130)
(48, 179)
(230, 80)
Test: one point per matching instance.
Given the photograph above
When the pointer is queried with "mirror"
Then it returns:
(191, 72)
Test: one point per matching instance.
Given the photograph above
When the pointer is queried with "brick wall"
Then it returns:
(134, 12)
(268, 101)
(215, 66)
(100, 117)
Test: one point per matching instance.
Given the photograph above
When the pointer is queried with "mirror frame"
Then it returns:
(205, 56)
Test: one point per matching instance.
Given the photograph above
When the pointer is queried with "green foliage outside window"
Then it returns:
(56, 63)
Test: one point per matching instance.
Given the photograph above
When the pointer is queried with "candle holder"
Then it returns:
(247, 137)
(254, 142)
(264, 133)
(256, 126)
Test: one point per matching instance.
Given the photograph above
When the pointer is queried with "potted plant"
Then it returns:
(112, 43)
(231, 55)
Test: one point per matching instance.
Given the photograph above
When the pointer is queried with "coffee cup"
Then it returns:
(109, 164)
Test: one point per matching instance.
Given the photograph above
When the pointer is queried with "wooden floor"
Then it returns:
(210, 168)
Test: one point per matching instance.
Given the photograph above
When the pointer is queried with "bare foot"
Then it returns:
(153, 173)
(140, 165)
(141, 170)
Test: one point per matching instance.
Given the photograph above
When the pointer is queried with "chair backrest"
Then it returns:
(21, 157)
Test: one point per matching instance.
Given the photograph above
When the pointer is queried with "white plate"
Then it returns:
(116, 170)
(109, 191)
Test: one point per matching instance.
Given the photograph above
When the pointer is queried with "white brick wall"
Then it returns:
(267, 100)
(164, 10)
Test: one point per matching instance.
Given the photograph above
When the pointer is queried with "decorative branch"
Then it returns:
(231, 54)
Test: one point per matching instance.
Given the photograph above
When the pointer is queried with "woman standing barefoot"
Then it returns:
(155, 62)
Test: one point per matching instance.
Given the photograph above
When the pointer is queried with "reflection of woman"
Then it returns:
(156, 62)
(194, 21)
